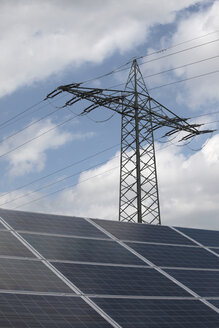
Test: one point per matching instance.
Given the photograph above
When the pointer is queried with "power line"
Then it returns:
(5, 124)
(171, 69)
(173, 53)
(106, 74)
(157, 87)
(119, 69)
(121, 66)
(54, 192)
(179, 81)
(19, 114)
(57, 171)
(183, 80)
(182, 66)
(101, 97)
(207, 114)
(169, 143)
(176, 45)
(212, 122)
(178, 52)
(97, 121)
(60, 170)
(29, 125)
(38, 136)
(20, 117)
(55, 182)
(203, 146)
(82, 181)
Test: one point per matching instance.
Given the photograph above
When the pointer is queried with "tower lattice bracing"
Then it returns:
(139, 199)
(141, 115)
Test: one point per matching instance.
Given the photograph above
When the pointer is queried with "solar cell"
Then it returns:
(143, 232)
(28, 311)
(11, 246)
(2, 227)
(77, 249)
(205, 237)
(28, 275)
(214, 302)
(216, 250)
(61, 238)
(147, 313)
(205, 283)
(38, 222)
(177, 256)
(109, 280)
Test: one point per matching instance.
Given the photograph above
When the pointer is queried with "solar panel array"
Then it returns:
(63, 272)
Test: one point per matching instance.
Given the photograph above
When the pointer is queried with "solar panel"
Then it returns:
(144, 233)
(216, 250)
(47, 312)
(204, 283)
(59, 271)
(215, 302)
(2, 227)
(205, 237)
(109, 280)
(28, 275)
(177, 256)
(45, 223)
(79, 249)
(10, 246)
(142, 313)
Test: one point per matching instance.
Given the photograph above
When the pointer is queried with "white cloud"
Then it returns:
(97, 193)
(187, 186)
(188, 192)
(32, 156)
(43, 37)
(195, 93)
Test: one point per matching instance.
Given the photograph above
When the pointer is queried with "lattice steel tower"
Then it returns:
(141, 116)
(139, 198)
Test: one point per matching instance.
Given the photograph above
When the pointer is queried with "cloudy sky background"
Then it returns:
(47, 43)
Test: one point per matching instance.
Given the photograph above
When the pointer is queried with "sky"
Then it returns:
(53, 160)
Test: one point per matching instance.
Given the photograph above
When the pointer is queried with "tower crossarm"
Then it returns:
(123, 102)
(140, 115)
(163, 116)
(108, 98)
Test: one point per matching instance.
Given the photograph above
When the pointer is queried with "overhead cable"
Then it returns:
(54, 182)
(65, 188)
(183, 80)
(19, 114)
(169, 143)
(61, 169)
(120, 68)
(38, 136)
(171, 69)
(28, 126)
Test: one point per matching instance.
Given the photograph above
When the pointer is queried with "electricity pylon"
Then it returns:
(141, 115)
(139, 198)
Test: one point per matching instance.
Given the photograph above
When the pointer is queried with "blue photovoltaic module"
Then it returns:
(70, 272)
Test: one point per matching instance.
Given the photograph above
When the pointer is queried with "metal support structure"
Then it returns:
(141, 116)
(139, 199)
